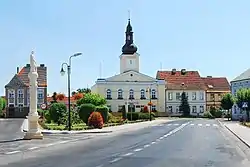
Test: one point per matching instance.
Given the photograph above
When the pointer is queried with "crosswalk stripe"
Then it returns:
(199, 124)
(215, 125)
(192, 124)
(207, 124)
(176, 124)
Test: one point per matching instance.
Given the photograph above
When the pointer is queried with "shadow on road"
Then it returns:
(11, 130)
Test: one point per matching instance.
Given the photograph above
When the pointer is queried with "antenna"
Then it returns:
(128, 14)
(100, 69)
(161, 66)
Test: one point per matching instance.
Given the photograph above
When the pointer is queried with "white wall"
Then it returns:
(195, 98)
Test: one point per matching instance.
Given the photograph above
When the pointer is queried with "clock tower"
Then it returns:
(129, 59)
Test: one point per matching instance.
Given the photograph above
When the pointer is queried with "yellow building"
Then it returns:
(216, 88)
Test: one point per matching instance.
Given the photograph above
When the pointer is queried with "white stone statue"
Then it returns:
(33, 67)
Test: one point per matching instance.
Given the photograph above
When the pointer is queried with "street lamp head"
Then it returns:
(182, 84)
(62, 71)
(77, 54)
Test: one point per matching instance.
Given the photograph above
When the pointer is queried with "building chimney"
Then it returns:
(183, 71)
(17, 70)
(209, 76)
(27, 65)
(42, 65)
(173, 71)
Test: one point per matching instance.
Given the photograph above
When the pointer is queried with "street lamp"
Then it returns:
(69, 94)
(150, 102)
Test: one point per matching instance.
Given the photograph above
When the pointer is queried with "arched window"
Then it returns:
(120, 94)
(153, 94)
(131, 94)
(143, 94)
(108, 93)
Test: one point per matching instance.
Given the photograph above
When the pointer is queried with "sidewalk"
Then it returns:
(119, 128)
(240, 131)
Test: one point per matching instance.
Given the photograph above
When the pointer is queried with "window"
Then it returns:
(11, 96)
(170, 95)
(178, 96)
(120, 94)
(131, 94)
(130, 61)
(153, 108)
(170, 109)
(153, 94)
(177, 109)
(194, 110)
(201, 109)
(212, 97)
(193, 95)
(143, 94)
(108, 94)
(40, 95)
(201, 95)
(20, 96)
(219, 97)
(28, 97)
(20, 107)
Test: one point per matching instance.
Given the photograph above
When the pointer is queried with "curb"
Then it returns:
(80, 132)
(248, 145)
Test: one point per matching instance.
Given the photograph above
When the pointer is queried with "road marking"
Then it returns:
(166, 135)
(161, 138)
(153, 142)
(157, 140)
(128, 154)
(115, 160)
(116, 154)
(12, 152)
(176, 124)
(169, 124)
(51, 144)
(192, 124)
(147, 145)
(207, 124)
(33, 148)
(99, 166)
(199, 124)
(138, 149)
(62, 142)
(215, 125)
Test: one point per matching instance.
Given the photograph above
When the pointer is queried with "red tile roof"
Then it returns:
(65, 100)
(217, 83)
(42, 75)
(191, 80)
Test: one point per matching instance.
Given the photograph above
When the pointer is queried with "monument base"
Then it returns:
(33, 130)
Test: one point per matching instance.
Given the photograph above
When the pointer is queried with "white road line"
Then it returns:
(207, 124)
(157, 140)
(169, 124)
(147, 145)
(99, 166)
(62, 142)
(33, 148)
(199, 124)
(12, 152)
(137, 150)
(215, 125)
(51, 144)
(153, 142)
(176, 124)
(192, 124)
(128, 154)
(166, 135)
(115, 160)
(161, 138)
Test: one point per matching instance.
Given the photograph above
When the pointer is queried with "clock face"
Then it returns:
(128, 37)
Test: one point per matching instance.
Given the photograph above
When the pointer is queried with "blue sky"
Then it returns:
(210, 36)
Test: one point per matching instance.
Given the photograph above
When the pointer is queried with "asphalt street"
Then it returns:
(192, 143)
(10, 129)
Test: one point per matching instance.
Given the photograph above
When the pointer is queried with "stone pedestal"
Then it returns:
(33, 129)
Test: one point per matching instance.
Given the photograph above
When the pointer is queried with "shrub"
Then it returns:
(207, 114)
(85, 111)
(95, 120)
(216, 113)
(145, 109)
(78, 96)
(104, 110)
(135, 116)
(57, 111)
(92, 98)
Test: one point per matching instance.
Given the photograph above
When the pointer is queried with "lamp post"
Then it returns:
(69, 94)
(150, 102)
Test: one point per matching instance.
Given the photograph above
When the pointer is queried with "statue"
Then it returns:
(32, 63)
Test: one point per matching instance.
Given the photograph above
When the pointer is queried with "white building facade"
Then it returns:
(131, 90)
(242, 81)
(196, 99)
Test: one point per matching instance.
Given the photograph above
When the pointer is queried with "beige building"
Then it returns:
(131, 90)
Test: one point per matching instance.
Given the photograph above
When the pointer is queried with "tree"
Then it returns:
(54, 98)
(92, 98)
(57, 112)
(227, 102)
(184, 107)
(84, 90)
(60, 96)
(243, 95)
(78, 96)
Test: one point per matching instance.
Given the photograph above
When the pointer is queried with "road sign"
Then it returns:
(43, 106)
(244, 105)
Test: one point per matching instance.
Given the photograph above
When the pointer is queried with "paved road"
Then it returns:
(10, 129)
(196, 143)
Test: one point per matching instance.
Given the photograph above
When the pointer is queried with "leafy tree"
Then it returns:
(243, 95)
(92, 98)
(54, 98)
(184, 107)
(1, 107)
(84, 90)
(227, 102)
(57, 112)
(78, 96)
